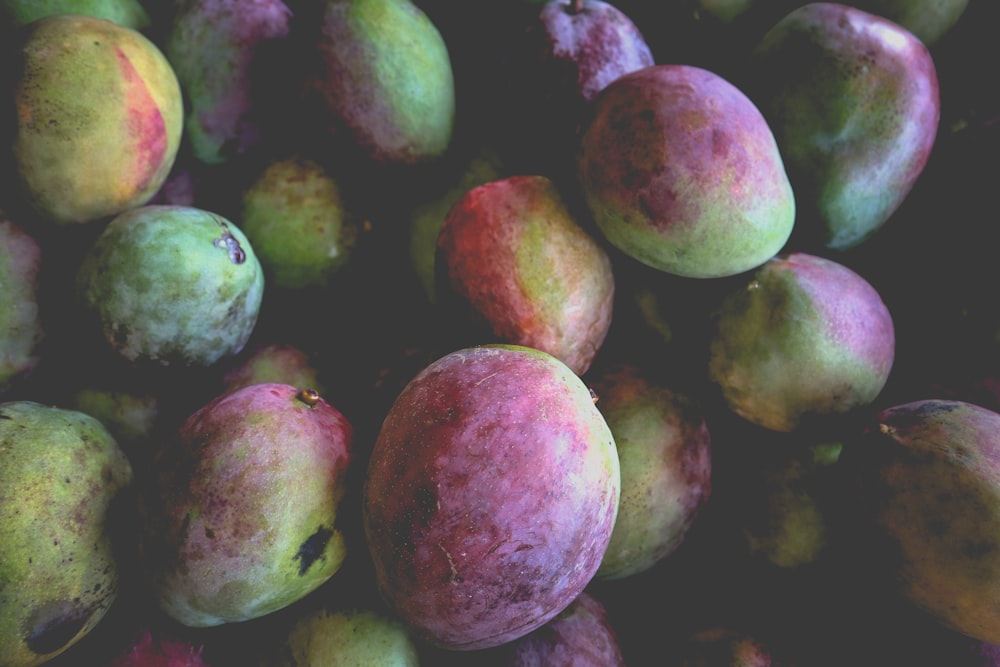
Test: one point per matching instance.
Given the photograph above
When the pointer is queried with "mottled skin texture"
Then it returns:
(807, 338)
(214, 47)
(854, 104)
(160, 652)
(664, 448)
(353, 636)
(129, 13)
(930, 478)
(294, 215)
(582, 635)
(273, 362)
(99, 118)
(385, 85)
(681, 172)
(172, 285)
(60, 471)
(240, 515)
(490, 496)
(21, 330)
(513, 252)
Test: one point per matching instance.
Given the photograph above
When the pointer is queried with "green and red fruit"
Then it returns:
(240, 514)
(512, 255)
(99, 116)
(21, 331)
(806, 339)
(681, 172)
(490, 496)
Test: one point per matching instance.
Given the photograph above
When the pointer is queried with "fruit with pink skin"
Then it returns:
(218, 49)
(928, 475)
(99, 119)
(490, 495)
(581, 635)
(854, 104)
(149, 651)
(21, 330)
(240, 513)
(805, 340)
(512, 255)
(681, 172)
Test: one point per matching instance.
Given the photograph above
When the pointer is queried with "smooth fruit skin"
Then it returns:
(99, 117)
(384, 85)
(928, 476)
(21, 331)
(853, 101)
(217, 49)
(60, 472)
(172, 285)
(806, 339)
(129, 13)
(490, 495)
(240, 512)
(682, 173)
(665, 451)
(512, 251)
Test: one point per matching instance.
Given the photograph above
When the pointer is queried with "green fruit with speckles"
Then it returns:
(20, 324)
(60, 472)
(384, 81)
(98, 117)
(294, 215)
(928, 475)
(172, 285)
(240, 516)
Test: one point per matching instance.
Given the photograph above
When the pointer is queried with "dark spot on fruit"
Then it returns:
(209, 533)
(308, 396)
(313, 548)
(232, 247)
(54, 625)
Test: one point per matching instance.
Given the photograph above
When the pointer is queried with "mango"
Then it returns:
(98, 118)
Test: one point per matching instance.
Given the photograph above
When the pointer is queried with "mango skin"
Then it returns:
(928, 475)
(21, 331)
(805, 341)
(172, 286)
(384, 81)
(239, 516)
(681, 172)
(60, 472)
(217, 50)
(854, 103)
(129, 13)
(98, 121)
(512, 252)
(490, 495)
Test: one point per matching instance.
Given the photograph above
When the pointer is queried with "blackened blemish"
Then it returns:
(53, 626)
(313, 548)
(232, 247)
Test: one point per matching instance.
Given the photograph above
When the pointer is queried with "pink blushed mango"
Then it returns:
(682, 173)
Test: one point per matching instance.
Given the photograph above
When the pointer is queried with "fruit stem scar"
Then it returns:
(229, 242)
(308, 396)
(885, 429)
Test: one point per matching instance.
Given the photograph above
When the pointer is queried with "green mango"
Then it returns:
(384, 84)
(60, 471)
(172, 285)
(129, 13)
(99, 117)
(854, 104)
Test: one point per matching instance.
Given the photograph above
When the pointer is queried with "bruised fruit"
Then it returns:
(854, 104)
(682, 173)
(490, 495)
(98, 120)
(240, 512)
(664, 448)
(172, 285)
(383, 85)
(60, 474)
(512, 256)
(805, 340)
(929, 478)
(21, 330)
(218, 49)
